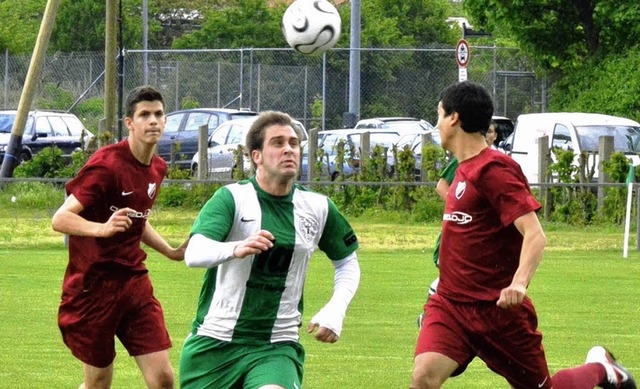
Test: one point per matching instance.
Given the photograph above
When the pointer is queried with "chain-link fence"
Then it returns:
(314, 89)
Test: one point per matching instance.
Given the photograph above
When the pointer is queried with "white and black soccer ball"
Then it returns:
(311, 26)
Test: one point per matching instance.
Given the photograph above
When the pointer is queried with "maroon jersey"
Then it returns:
(480, 249)
(112, 179)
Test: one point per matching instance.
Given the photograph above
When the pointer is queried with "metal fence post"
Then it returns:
(203, 151)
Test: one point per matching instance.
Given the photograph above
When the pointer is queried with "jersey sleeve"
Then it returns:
(449, 172)
(338, 239)
(91, 185)
(508, 191)
(216, 217)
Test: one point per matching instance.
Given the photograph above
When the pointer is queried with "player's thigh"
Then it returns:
(88, 319)
(142, 329)
(207, 363)
(278, 364)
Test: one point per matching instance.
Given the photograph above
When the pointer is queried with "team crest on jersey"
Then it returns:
(460, 189)
(151, 191)
(308, 228)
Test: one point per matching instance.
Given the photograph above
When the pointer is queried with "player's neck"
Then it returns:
(467, 145)
(274, 185)
(142, 152)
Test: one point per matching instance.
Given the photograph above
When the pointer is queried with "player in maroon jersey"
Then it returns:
(492, 243)
(106, 291)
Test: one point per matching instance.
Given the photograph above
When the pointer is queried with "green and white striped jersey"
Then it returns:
(258, 299)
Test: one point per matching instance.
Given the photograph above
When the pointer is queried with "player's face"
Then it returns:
(147, 124)
(280, 154)
(444, 127)
(491, 135)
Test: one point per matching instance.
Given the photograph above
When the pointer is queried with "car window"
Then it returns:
(173, 123)
(58, 126)
(197, 119)
(43, 126)
(6, 122)
(561, 138)
(237, 134)
(219, 136)
(74, 125)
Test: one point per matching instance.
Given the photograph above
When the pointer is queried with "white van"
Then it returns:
(570, 131)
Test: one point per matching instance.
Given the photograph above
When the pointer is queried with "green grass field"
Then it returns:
(585, 294)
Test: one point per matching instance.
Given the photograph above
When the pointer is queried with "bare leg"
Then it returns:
(431, 370)
(97, 377)
(156, 370)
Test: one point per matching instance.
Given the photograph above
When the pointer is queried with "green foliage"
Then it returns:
(50, 163)
(192, 196)
(610, 87)
(244, 23)
(33, 195)
(189, 102)
(588, 29)
(55, 98)
(20, 25)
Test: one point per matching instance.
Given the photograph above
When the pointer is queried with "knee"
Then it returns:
(423, 378)
(164, 379)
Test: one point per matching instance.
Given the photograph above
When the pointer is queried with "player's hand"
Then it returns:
(511, 296)
(323, 334)
(178, 253)
(118, 222)
(254, 244)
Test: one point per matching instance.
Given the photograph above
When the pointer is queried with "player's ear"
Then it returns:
(256, 157)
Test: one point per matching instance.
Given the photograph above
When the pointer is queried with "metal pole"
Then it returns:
(6, 78)
(324, 87)
(354, 65)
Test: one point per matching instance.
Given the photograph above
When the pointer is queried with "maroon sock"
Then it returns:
(581, 377)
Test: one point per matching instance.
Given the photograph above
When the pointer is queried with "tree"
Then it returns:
(562, 34)
(20, 25)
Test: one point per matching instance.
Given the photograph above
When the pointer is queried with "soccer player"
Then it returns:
(106, 290)
(492, 243)
(255, 238)
(442, 188)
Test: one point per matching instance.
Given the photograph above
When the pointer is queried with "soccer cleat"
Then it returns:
(617, 376)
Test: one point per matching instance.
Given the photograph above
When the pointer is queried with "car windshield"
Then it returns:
(626, 139)
(6, 122)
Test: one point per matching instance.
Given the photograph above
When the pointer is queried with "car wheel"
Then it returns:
(334, 175)
(24, 157)
(194, 170)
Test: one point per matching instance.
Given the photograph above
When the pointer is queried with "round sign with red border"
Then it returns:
(463, 54)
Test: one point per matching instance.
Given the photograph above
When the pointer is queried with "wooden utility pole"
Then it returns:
(12, 153)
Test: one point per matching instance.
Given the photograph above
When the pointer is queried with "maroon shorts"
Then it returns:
(91, 318)
(506, 340)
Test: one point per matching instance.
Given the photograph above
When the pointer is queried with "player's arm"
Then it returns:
(153, 239)
(205, 252)
(67, 220)
(533, 245)
(345, 284)
(442, 188)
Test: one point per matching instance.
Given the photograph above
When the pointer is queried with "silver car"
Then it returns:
(225, 142)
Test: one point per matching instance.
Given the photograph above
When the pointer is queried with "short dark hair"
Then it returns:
(141, 93)
(473, 104)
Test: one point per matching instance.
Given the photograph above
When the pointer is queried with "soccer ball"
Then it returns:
(311, 26)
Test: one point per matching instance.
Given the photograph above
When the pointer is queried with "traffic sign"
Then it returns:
(463, 54)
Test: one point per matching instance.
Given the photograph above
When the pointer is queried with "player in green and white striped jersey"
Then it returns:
(256, 238)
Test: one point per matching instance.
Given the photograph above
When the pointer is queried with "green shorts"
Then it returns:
(207, 363)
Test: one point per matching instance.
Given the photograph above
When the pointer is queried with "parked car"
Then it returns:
(328, 140)
(223, 143)
(579, 132)
(395, 123)
(182, 131)
(414, 142)
(45, 129)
